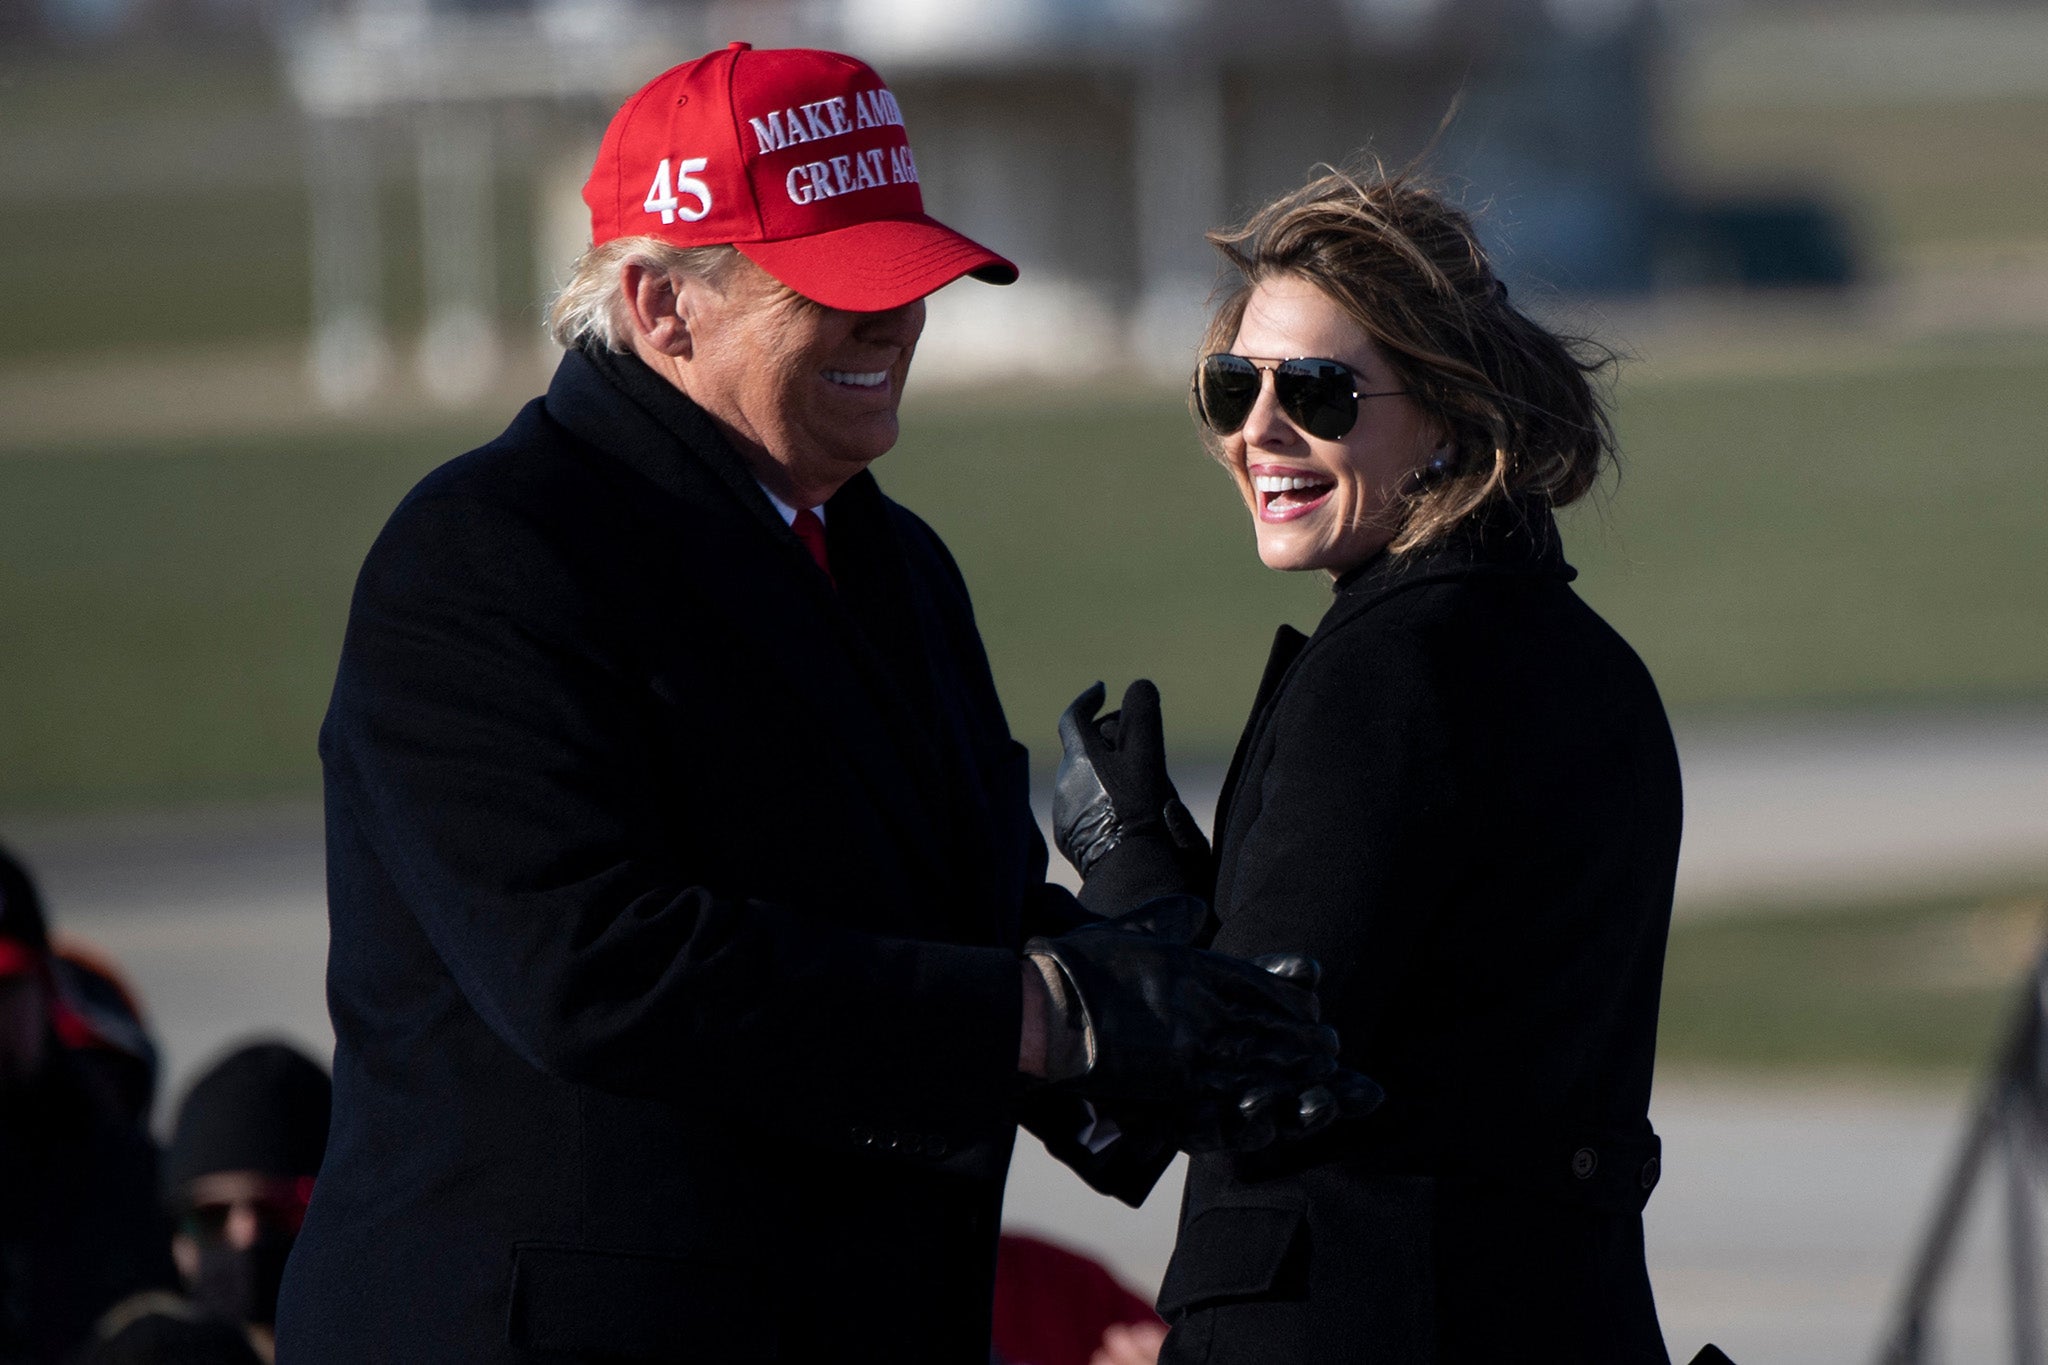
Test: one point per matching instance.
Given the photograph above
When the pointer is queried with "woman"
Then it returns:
(1460, 795)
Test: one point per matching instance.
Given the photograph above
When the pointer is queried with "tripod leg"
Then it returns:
(2022, 1244)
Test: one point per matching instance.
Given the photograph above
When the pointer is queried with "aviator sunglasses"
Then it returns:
(1319, 396)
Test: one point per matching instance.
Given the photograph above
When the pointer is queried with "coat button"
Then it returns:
(1585, 1161)
(934, 1146)
(1652, 1170)
(862, 1137)
(892, 1142)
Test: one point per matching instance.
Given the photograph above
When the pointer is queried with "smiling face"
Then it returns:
(806, 393)
(1315, 503)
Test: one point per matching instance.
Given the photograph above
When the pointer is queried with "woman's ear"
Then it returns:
(1444, 443)
(1440, 463)
(661, 304)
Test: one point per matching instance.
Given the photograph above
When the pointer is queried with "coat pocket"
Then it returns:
(638, 1306)
(1232, 1251)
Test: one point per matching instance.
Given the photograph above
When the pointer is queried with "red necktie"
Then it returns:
(811, 531)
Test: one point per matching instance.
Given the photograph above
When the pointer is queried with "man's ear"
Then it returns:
(662, 306)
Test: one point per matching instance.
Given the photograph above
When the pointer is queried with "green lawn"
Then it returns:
(172, 611)
(1833, 538)
(1930, 985)
(172, 614)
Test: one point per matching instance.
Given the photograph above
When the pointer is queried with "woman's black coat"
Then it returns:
(1461, 796)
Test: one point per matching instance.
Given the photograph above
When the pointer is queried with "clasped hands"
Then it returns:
(1208, 1051)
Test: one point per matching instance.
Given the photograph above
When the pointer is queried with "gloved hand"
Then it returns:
(1113, 796)
(1278, 1111)
(1223, 1053)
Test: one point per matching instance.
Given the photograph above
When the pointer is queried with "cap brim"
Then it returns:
(874, 266)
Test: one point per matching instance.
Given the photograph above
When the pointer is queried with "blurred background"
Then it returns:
(265, 262)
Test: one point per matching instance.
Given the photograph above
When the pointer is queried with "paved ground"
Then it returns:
(1781, 1230)
(1786, 1215)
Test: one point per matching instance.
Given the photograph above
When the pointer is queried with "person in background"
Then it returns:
(80, 1224)
(238, 1174)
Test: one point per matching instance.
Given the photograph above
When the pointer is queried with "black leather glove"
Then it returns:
(1223, 1053)
(1115, 813)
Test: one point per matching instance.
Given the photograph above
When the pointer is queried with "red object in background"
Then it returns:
(1053, 1305)
(17, 958)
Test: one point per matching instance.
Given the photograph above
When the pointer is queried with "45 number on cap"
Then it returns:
(663, 200)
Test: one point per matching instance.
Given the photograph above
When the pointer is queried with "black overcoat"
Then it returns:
(675, 898)
(1461, 796)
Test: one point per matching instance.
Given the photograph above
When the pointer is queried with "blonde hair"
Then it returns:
(591, 306)
(1514, 398)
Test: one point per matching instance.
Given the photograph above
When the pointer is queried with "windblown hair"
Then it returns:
(591, 307)
(1516, 399)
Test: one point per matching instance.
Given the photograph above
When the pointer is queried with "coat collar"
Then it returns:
(884, 624)
(1504, 539)
(644, 432)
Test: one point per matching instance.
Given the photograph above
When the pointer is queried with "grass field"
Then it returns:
(1929, 985)
(172, 610)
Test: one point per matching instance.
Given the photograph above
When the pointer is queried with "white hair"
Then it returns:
(592, 306)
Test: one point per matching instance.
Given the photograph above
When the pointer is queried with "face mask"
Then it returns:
(242, 1285)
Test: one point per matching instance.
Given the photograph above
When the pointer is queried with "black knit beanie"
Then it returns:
(261, 1108)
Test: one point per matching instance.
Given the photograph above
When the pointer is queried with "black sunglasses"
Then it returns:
(1319, 396)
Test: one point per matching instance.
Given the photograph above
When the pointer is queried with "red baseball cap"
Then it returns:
(797, 158)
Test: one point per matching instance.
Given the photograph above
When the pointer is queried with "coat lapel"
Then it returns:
(1287, 646)
(741, 561)
(899, 611)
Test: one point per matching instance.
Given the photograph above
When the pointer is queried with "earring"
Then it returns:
(1435, 472)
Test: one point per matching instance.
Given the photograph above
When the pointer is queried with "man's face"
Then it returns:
(807, 393)
(232, 1241)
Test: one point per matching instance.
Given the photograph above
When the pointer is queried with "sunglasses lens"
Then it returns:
(1230, 385)
(1317, 394)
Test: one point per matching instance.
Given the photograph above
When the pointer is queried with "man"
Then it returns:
(679, 855)
(238, 1173)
